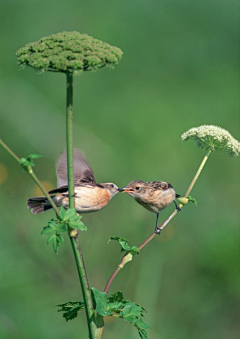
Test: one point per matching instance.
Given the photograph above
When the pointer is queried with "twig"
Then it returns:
(32, 174)
(164, 224)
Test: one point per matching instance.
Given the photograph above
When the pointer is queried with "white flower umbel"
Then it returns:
(211, 138)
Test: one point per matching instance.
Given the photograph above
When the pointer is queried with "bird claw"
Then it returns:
(157, 230)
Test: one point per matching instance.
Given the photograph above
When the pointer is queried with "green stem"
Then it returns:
(9, 150)
(164, 224)
(32, 174)
(35, 178)
(69, 124)
(74, 241)
(197, 173)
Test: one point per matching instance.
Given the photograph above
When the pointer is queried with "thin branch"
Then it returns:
(32, 174)
(160, 228)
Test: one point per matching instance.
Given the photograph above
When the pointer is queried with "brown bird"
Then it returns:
(153, 195)
(89, 196)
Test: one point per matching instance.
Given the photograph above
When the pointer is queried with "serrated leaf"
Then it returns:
(131, 311)
(55, 243)
(53, 224)
(71, 309)
(141, 324)
(124, 245)
(51, 238)
(69, 214)
(59, 239)
(77, 224)
(101, 302)
(61, 212)
(143, 334)
(115, 305)
(116, 297)
(47, 230)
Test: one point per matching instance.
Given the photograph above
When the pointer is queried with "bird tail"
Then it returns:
(38, 204)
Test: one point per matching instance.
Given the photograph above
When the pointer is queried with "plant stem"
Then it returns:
(69, 124)
(126, 258)
(164, 224)
(9, 150)
(32, 174)
(197, 173)
(35, 178)
(74, 241)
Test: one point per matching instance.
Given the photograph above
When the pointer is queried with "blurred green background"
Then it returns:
(180, 70)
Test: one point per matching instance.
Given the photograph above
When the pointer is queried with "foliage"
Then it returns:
(65, 220)
(26, 162)
(115, 306)
(124, 245)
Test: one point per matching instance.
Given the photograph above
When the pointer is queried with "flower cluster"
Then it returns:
(210, 137)
(68, 52)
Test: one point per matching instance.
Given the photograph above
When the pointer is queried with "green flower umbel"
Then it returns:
(210, 137)
(68, 52)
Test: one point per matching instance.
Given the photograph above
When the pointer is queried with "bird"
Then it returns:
(153, 195)
(89, 196)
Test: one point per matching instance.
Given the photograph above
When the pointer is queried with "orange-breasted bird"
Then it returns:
(89, 196)
(153, 195)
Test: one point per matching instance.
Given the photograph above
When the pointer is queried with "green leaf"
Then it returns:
(67, 218)
(26, 162)
(71, 309)
(115, 305)
(70, 218)
(50, 238)
(22, 160)
(34, 156)
(141, 324)
(101, 302)
(60, 239)
(55, 243)
(70, 213)
(54, 238)
(131, 311)
(77, 224)
(118, 296)
(62, 213)
(191, 199)
(143, 334)
(124, 245)
(47, 230)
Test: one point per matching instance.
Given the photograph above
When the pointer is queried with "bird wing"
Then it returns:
(82, 170)
(64, 189)
(159, 185)
(61, 189)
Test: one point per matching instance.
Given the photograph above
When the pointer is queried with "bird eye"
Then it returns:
(137, 188)
(112, 185)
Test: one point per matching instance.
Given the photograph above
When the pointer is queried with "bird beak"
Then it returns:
(120, 190)
(126, 190)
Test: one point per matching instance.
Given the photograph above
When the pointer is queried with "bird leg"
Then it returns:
(157, 230)
(177, 207)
